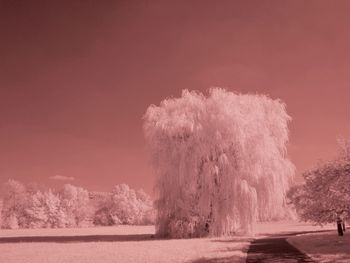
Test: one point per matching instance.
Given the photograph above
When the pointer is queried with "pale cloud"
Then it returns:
(62, 178)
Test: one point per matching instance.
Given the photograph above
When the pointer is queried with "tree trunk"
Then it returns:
(340, 227)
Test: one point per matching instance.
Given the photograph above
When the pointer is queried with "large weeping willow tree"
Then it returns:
(220, 161)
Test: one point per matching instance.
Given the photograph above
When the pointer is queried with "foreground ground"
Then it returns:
(119, 244)
(324, 247)
(128, 244)
(275, 249)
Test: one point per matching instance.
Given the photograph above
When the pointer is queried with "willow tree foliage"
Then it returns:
(221, 162)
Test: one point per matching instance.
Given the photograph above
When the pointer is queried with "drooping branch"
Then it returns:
(222, 157)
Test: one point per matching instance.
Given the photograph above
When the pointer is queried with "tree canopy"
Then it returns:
(325, 194)
(220, 160)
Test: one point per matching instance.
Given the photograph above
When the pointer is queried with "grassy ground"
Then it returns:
(130, 244)
(146, 249)
(324, 247)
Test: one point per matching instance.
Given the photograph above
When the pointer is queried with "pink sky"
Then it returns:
(75, 79)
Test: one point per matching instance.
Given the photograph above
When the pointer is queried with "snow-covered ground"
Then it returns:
(324, 247)
(140, 248)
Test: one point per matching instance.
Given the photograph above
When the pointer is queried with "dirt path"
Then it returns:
(275, 249)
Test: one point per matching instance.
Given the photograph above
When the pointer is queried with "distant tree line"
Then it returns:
(28, 206)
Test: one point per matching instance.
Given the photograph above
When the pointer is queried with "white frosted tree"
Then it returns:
(35, 212)
(76, 204)
(14, 201)
(220, 160)
(44, 210)
(124, 209)
(325, 194)
(130, 207)
(54, 211)
(146, 208)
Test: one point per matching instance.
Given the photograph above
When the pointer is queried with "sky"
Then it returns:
(76, 78)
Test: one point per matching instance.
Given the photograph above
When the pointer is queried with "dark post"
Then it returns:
(339, 227)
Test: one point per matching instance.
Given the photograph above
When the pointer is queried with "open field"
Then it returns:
(128, 244)
(132, 244)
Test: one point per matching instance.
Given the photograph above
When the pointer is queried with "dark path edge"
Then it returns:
(70, 239)
(276, 248)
